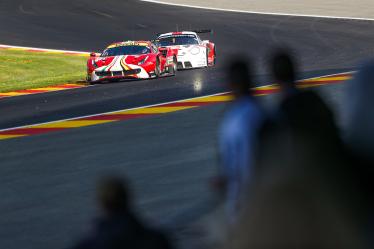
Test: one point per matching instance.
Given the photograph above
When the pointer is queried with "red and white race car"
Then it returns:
(131, 60)
(192, 51)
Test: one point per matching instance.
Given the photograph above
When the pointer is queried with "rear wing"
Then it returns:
(203, 31)
(198, 31)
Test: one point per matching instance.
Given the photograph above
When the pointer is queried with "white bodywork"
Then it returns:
(193, 54)
(189, 56)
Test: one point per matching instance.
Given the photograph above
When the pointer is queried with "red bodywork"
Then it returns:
(211, 53)
(141, 66)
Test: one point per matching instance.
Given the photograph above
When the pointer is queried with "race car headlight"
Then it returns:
(143, 61)
(195, 50)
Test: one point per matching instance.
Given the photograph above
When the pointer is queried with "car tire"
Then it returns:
(207, 57)
(88, 80)
(157, 68)
(173, 68)
(215, 58)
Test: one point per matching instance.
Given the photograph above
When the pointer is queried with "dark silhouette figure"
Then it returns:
(119, 227)
(309, 125)
(304, 111)
(302, 131)
(284, 71)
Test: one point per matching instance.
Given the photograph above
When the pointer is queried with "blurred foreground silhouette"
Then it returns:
(118, 227)
(238, 135)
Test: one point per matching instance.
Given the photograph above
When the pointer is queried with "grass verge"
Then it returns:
(21, 70)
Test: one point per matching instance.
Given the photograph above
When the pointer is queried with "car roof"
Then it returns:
(177, 33)
(130, 43)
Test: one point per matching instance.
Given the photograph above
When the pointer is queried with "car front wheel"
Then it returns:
(157, 68)
(174, 67)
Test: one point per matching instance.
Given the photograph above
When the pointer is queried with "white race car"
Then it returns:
(192, 52)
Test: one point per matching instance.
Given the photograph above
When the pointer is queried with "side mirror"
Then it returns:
(205, 41)
(93, 54)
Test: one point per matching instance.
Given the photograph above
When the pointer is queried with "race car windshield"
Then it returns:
(125, 50)
(178, 40)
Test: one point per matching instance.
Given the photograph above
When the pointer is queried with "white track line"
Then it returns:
(44, 49)
(112, 112)
(154, 105)
(259, 12)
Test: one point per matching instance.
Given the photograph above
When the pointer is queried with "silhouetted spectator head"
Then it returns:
(239, 77)
(283, 69)
(113, 195)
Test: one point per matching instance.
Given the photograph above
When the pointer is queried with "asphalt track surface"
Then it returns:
(326, 46)
(48, 180)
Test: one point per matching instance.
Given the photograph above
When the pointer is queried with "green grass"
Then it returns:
(21, 70)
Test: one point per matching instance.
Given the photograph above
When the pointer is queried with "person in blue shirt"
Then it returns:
(238, 135)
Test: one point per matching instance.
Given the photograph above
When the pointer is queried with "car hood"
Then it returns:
(118, 63)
